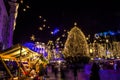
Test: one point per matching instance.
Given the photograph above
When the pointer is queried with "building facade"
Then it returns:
(7, 22)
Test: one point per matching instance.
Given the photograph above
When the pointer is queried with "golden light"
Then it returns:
(24, 9)
(75, 24)
(94, 41)
(118, 57)
(92, 58)
(51, 32)
(40, 28)
(91, 51)
(44, 20)
(21, 1)
(63, 35)
(87, 38)
(48, 26)
(44, 25)
(32, 37)
(58, 38)
(68, 32)
(28, 6)
(64, 30)
(40, 16)
(50, 42)
(107, 40)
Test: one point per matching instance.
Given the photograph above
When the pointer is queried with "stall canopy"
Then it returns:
(16, 51)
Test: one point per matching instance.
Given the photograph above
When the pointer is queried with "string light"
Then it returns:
(51, 32)
(24, 9)
(48, 26)
(27, 6)
(43, 25)
(40, 16)
(64, 30)
(44, 20)
(21, 1)
(40, 28)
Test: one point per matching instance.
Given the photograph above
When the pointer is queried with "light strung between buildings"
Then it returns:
(24, 6)
(43, 26)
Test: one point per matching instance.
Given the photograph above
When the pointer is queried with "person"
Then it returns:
(41, 71)
(63, 71)
(95, 72)
(56, 70)
(115, 66)
(75, 68)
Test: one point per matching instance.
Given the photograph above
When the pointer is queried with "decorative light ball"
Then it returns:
(40, 16)
(63, 35)
(40, 28)
(44, 25)
(21, 1)
(48, 26)
(24, 9)
(64, 30)
(51, 32)
(28, 6)
(44, 20)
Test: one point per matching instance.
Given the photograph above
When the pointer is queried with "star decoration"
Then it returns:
(40, 28)
(32, 37)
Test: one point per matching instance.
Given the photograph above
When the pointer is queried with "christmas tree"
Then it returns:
(76, 43)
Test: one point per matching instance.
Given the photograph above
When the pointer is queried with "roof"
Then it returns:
(16, 51)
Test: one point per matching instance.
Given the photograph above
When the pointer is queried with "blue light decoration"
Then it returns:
(105, 33)
(33, 47)
(30, 46)
(56, 30)
(108, 33)
(111, 33)
(101, 34)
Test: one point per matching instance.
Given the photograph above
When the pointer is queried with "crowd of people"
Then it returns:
(91, 69)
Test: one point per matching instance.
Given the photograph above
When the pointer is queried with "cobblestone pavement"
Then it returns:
(104, 75)
(69, 76)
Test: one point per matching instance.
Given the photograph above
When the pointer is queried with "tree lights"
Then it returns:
(76, 43)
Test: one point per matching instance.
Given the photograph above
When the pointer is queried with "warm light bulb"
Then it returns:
(44, 25)
(24, 9)
(51, 32)
(48, 26)
(40, 16)
(44, 20)
(40, 28)
(28, 6)
(21, 1)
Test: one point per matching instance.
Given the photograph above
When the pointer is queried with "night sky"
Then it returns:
(90, 17)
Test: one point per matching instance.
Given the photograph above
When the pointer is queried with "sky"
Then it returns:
(91, 18)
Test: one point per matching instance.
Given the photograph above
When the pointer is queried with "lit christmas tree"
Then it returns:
(76, 43)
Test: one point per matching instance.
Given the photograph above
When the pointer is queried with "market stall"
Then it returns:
(21, 56)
